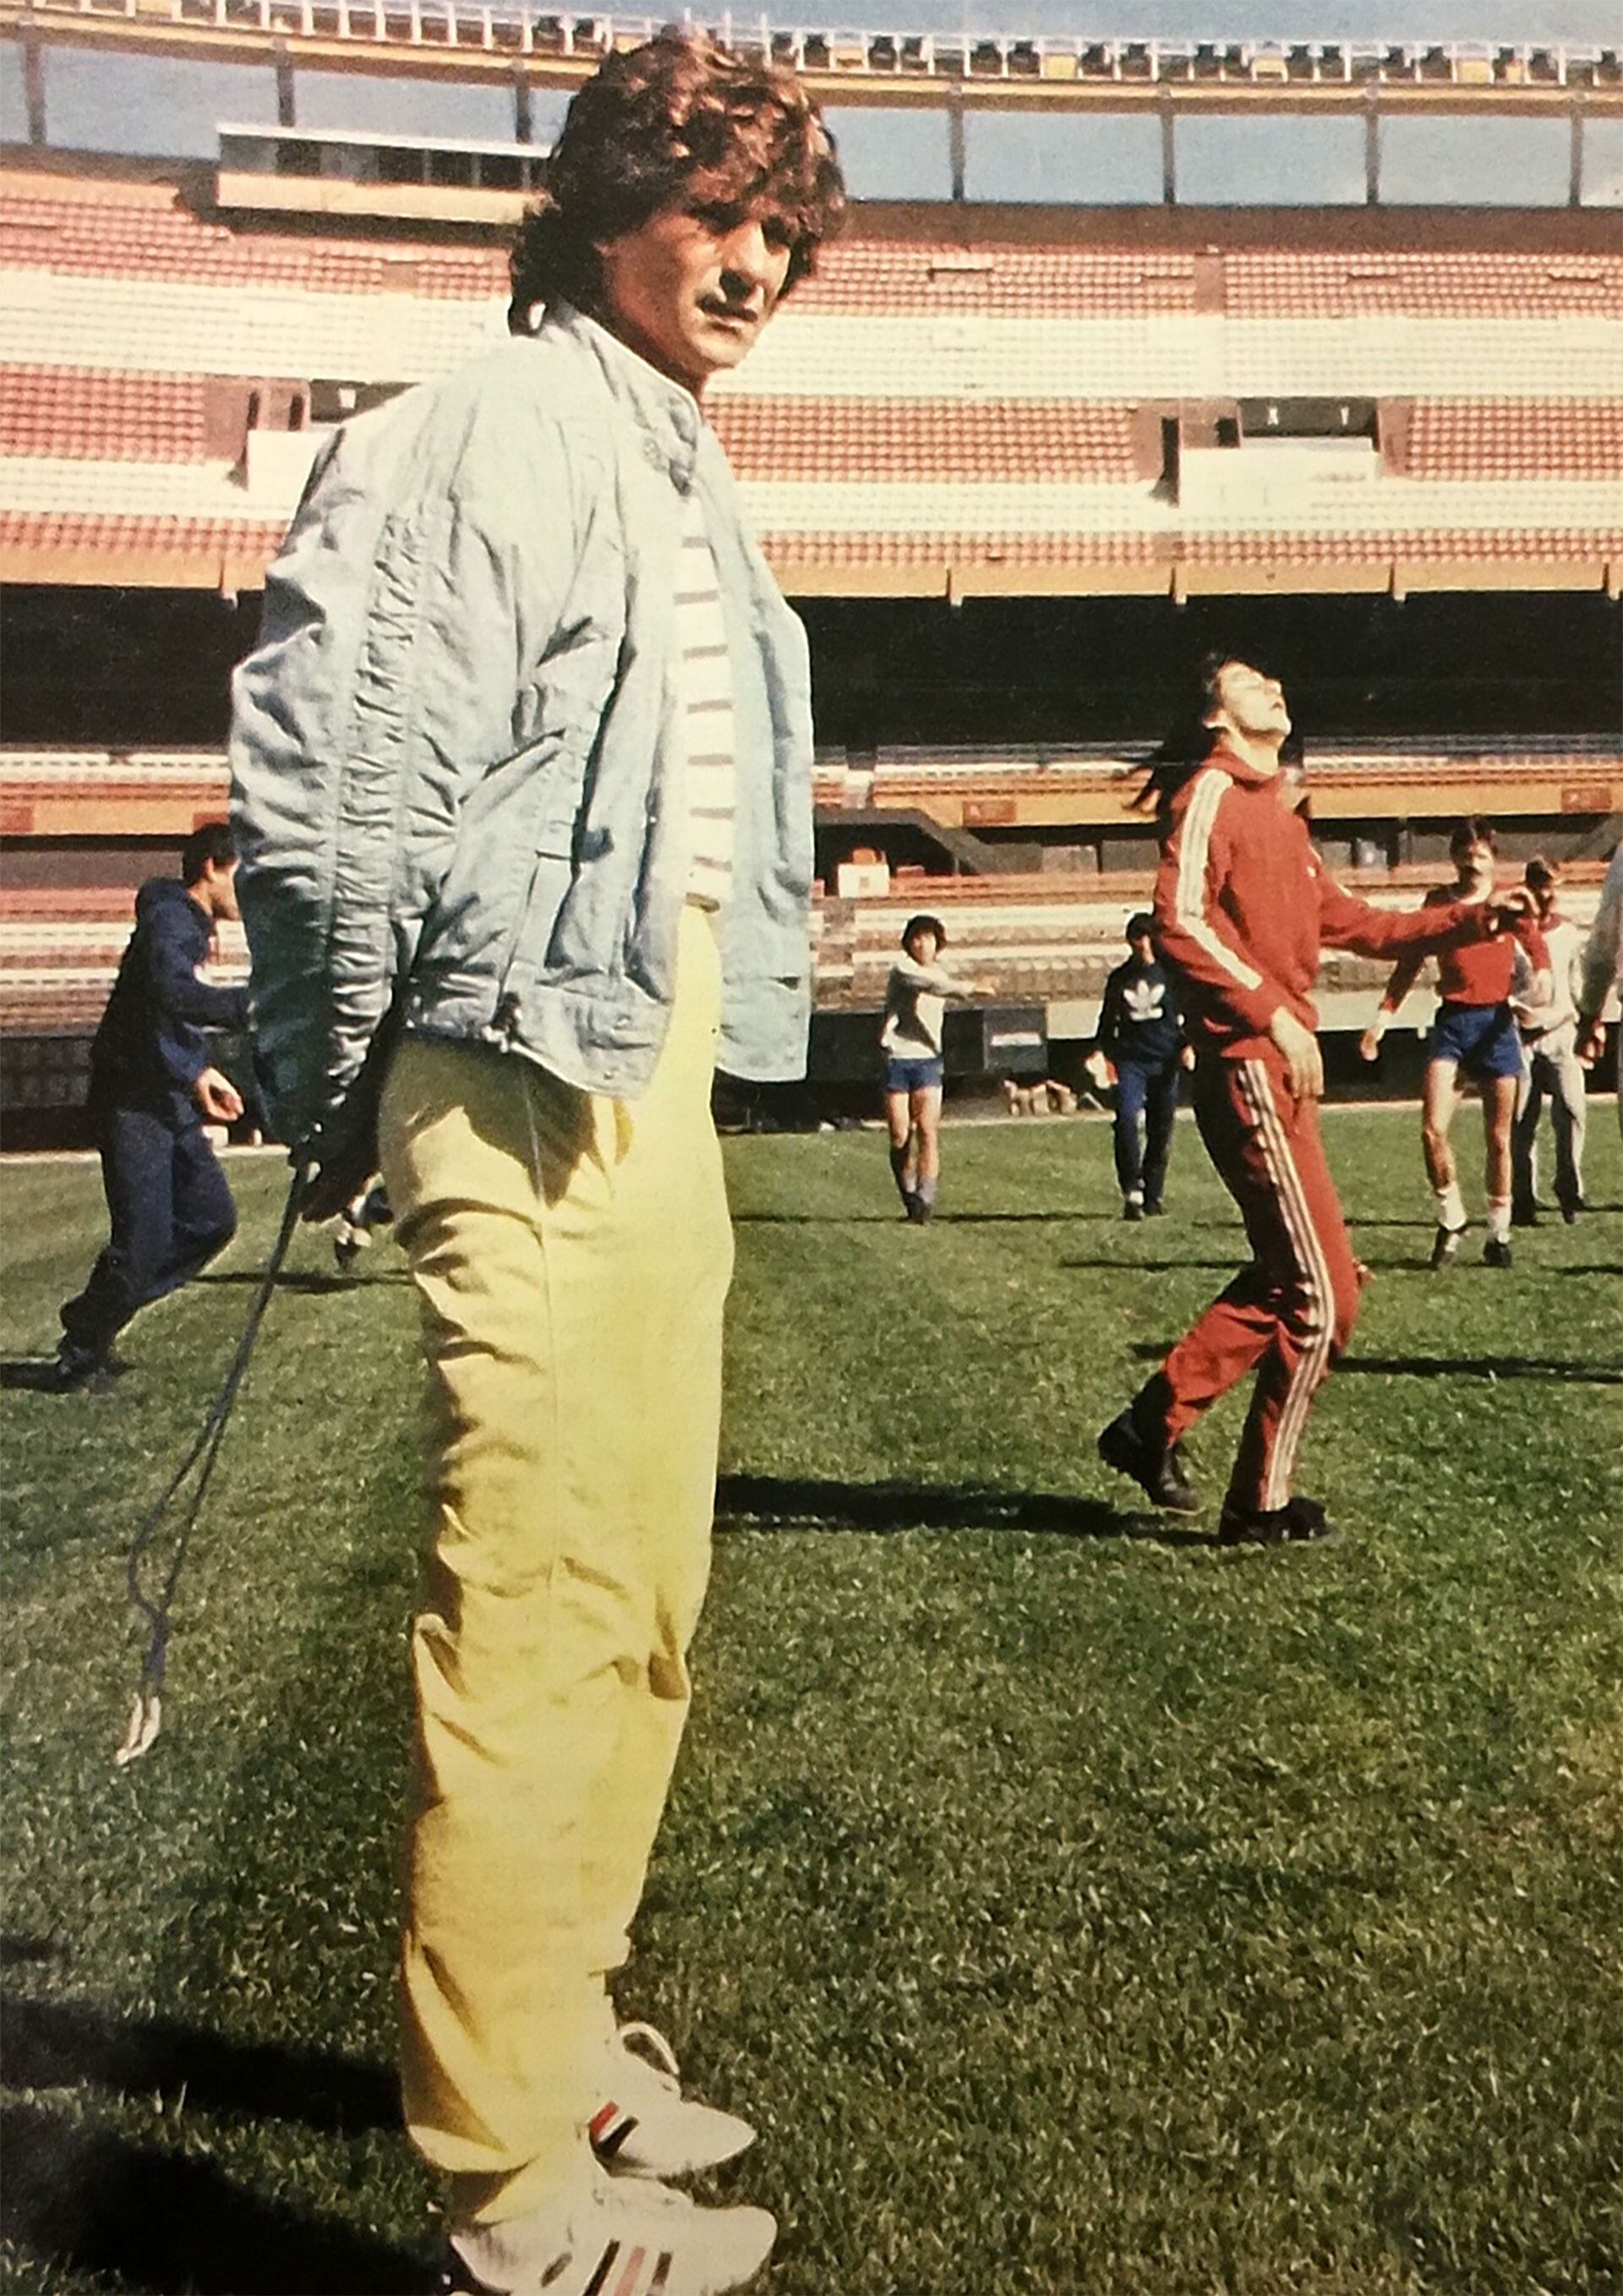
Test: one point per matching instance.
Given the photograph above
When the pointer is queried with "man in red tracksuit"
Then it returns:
(1244, 906)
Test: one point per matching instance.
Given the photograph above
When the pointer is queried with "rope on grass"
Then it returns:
(146, 1713)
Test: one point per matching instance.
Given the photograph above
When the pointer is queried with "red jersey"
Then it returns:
(1244, 907)
(1476, 972)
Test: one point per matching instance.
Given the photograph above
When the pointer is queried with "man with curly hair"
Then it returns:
(522, 785)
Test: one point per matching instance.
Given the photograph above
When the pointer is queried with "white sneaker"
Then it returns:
(644, 2126)
(623, 2237)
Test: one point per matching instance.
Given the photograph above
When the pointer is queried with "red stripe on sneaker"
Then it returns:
(608, 2128)
(627, 2285)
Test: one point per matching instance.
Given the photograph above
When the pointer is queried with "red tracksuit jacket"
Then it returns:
(1245, 906)
(1478, 974)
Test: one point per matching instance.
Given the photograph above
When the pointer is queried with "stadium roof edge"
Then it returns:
(468, 40)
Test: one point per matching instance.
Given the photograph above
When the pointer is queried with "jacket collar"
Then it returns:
(1237, 768)
(667, 416)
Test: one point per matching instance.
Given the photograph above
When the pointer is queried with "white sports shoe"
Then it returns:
(644, 2126)
(623, 2237)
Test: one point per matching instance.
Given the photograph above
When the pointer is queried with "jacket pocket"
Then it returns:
(562, 710)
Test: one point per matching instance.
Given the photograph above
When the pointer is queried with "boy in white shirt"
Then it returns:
(915, 1004)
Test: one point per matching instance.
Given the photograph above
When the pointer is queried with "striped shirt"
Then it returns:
(703, 682)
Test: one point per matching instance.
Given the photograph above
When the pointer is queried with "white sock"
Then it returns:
(1450, 1206)
(1499, 1218)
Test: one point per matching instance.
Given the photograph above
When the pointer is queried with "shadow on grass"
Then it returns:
(1472, 1268)
(819, 1220)
(1368, 1223)
(158, 2220)
(1493, 1367)
(896, 1219)
(307, 1281)
(19, 1952)
(1124, 1266)
(72, 2043)
(43, 1376)
(810, 1503)
(1011, 1219)
(33, 1375)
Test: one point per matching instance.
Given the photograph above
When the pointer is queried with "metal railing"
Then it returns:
(524, 30)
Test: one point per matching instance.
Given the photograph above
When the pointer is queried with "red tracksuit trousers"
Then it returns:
(1288, 1316)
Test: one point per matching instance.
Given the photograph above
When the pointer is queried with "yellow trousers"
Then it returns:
(572, 1256)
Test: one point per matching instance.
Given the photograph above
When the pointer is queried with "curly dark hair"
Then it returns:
(679, 116)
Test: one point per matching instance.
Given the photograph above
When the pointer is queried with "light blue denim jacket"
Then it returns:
(455, 757)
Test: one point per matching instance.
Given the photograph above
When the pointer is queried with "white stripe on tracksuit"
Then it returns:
(1312, 1361)
(1195, 846)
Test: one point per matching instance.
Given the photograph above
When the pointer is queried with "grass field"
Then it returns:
(1078, 1909)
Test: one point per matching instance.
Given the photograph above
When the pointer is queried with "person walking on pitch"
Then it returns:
(910, 1038)
(1141, 1034)
(152, 1088)
(1244, 906)
(1474, 1036)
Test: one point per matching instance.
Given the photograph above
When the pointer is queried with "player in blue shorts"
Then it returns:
(910, 1039)
(1474, 1038)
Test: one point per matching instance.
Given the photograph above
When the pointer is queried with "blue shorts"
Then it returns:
(1483, 1038)
(912, 1076)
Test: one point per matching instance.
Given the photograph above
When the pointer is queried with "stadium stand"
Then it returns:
(1035, 941)
(1046, 937)
(1078, 411)
(61, 793)
(1491, 438)
(1140, 405)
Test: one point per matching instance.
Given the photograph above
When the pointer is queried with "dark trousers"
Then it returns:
(171, 1211)
(1146, 1097)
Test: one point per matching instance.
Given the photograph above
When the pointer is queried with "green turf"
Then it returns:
(1078, 1910)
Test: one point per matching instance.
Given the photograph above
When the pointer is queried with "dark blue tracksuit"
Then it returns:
(1140, 1031)
(171, 1208)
